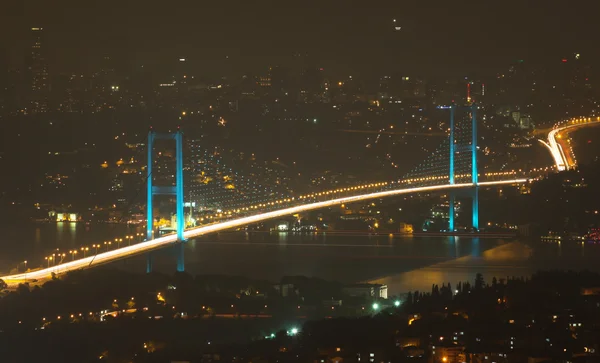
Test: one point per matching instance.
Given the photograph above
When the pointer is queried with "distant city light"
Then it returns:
(397, 303)
(375, 306)
(182, 59)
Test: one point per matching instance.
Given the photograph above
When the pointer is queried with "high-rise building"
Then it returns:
(38, 73)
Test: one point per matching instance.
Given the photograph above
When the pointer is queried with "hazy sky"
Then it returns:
(436, 36)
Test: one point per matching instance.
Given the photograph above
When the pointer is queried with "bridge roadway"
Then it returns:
(147, 246)
(559, 149)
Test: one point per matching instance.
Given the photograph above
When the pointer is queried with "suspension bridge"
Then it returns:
(451, 169)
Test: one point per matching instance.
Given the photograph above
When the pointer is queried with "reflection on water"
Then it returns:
(475, 250)
(508, 259)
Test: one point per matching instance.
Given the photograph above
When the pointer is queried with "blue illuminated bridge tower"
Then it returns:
(453, 162)
(176, 190)
(461, 148)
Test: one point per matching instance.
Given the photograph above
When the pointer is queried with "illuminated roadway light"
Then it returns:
(556, 149)
(144, 247)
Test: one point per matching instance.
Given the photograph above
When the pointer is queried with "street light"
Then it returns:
(375, 306)
(73, 253)
(25, 262)
(49, 258)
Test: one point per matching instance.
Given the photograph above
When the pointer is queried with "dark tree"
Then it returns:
(479, 282)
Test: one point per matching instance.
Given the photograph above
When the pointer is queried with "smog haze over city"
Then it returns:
(392, 181)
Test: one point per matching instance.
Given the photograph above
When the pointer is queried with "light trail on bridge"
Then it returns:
(556, 150)
(147, 246)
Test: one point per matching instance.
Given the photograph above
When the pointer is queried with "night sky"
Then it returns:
(437, 37)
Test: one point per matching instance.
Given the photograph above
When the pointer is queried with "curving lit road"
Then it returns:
(163, 241)
(559, 151)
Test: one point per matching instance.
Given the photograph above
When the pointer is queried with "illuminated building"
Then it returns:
(38, 73)
(66, 217)
(447, 353)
